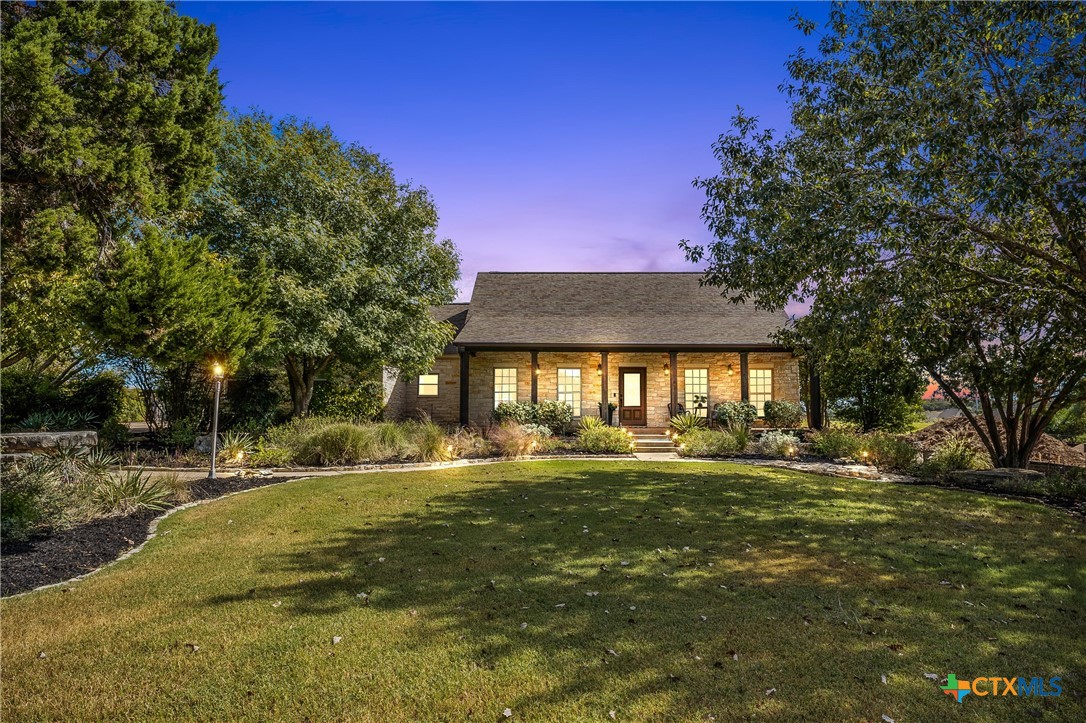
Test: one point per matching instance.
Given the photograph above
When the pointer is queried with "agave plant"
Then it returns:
(687, 422)
(234, 447)
(129, 491)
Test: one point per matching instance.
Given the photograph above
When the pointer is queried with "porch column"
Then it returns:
(744, 377)
(603, 385)
(465, 357)
(673, 363)
(535, 377)
(814, 405)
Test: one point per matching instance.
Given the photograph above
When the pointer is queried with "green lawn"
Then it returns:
(739, 580)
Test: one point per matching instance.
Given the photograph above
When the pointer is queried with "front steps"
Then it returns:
(651, 440)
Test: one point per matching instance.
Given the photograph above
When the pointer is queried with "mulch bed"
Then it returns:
(81, 549)
(1048, 449)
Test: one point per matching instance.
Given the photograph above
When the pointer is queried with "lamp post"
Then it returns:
(216, 374)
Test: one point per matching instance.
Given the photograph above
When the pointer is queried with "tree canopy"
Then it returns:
(353, 257)
(109, 113)
(933, 175)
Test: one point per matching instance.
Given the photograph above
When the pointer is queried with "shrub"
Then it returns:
(735, 415)
(686, 422)
(427, 443)
(778, 444)
(550, 413)
(100, 396)
(957, 453)
(128, 491)
(113, 434)
(783, 414)
(340, 443)
(360, 398)
(604, 439)
(890, 451)
(554, 414)
(389, 440)
(519, 412)
(469, 443)
(836, 442)
(702, 442)
(32, 498)
(541, 431)
(512, 440)
(271, 456)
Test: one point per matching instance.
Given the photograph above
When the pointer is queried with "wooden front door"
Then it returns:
(631, 397)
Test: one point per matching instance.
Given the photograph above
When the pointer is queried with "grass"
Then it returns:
(504, 587)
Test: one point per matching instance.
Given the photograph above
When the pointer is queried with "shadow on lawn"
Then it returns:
(806, 585)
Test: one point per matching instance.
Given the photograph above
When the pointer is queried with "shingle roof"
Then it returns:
(455, 314)
(610, 309)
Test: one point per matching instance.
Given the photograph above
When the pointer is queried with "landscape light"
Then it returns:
(217, 373)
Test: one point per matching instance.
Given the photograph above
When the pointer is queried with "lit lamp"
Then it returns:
(730, 370)
(667, 369)
(599, 370)
(217, 373)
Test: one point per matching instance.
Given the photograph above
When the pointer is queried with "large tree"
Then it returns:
(165, 307)
(355, 263)
(109, 113)
(934, 175)
(866, 374)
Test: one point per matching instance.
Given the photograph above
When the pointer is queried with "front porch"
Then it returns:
(646, 386)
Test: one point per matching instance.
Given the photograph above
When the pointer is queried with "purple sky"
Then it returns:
(553, 137)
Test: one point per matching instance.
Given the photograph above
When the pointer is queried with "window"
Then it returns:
(761, 388)
(505, 386)
(428, 385)
(569, 389)
(696, 391)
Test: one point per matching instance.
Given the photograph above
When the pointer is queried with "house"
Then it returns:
(644, 342)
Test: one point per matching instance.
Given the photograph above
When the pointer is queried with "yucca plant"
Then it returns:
(128, 491)
(687, 422)
(234, 447)
(95, 465)
(592, 423)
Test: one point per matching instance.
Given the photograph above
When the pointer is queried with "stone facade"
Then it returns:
(724, 380)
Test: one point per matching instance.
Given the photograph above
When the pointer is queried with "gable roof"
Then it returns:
(593, 310)
(456, 314)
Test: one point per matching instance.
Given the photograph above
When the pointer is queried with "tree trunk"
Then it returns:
(302, 373)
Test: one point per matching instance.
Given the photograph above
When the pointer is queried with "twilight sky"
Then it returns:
(553, 137)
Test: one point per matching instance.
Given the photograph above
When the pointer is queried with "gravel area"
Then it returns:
(81, 549)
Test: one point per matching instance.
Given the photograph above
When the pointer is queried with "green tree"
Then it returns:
(933, 175)
(866, 375)
(167, 306)
(354, 260)
(109, 112)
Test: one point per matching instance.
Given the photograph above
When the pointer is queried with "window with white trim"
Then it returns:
(760, 388)
(428, 385)
(569, 389)
(696, 391)
(505, 386)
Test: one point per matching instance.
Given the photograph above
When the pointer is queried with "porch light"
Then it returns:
(731, 371)
(667, 369)
(599, 370)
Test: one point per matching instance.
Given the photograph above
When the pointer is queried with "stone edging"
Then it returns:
(152, 527)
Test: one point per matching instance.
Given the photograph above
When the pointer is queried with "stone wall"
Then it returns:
(405, 403)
